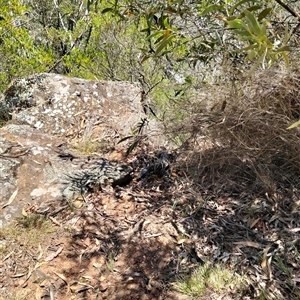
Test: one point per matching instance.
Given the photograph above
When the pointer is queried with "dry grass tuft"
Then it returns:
(246, 128)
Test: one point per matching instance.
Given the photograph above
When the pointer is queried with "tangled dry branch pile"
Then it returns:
(245, 126)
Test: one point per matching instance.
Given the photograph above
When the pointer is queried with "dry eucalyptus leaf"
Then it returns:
(24, 212)
(18, 275)
(248, 244)
(61, 276)
(53, 255)
(41, 252)
(266, 263)
(11, 199)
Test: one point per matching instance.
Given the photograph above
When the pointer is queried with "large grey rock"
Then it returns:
(34, 164)
(71, 107)
(49, 117)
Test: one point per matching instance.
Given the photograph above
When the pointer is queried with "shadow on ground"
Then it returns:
(134, 242)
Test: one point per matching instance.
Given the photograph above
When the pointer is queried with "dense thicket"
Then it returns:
(114, 39)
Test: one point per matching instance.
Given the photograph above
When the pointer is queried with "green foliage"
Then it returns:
(70, 37)
(253, 31)
(109, 39)
(218, 28)
(19, 54)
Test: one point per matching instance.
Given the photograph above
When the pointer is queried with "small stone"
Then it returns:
(38, 276)
(103, 286)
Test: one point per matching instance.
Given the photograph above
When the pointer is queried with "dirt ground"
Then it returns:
(134, 242)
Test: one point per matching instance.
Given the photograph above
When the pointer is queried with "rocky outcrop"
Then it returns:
(69, 107)
(49, 116)
(36, 170)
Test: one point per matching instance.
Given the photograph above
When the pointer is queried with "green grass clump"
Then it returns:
(26, 231)
(214, 278)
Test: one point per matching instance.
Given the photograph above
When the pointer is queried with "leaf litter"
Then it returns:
(135, 242)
